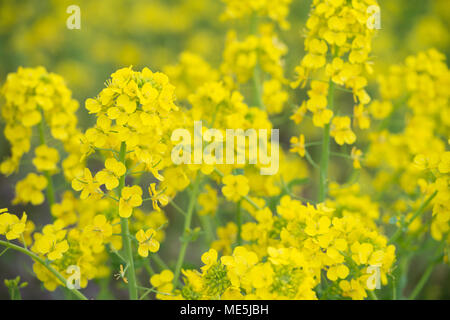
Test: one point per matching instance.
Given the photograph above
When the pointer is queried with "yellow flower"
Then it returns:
(93, 106)
(208, 201)
(30, 189)
(10, 225)
(235, 187)
(88, 186)
(163, 282)
(361, 252)
(361, 117)
(226, 238)
(322, 117)
(261, 276)
(335, 272)
(156, 197)
(356, 156)
(298, 145)
(232, 293)
(158, 280)
(131, 197)
(354, 289)
(147, 242)
(209, 259)
(98, 231)
(239, 263)
(46, 158)
(274, 97)
(299, 113)
(126, 103)
(315, 58)
(49, 244)
(111, 174)
(341, 131)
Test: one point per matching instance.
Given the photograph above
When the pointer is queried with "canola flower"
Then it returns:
(283, 236)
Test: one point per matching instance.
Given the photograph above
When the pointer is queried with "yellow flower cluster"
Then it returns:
(82, 244)
(46, 158)
(338, 45)
(130, 110)
(228, 109)
(219, 108)
(416, 154)
(134, 113)
(287, 254)
(263, 51)
(34, 97)
(438, 165)
(276, 10)
(189, 74)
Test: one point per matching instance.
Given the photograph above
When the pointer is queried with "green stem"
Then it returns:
(187, 226)
(394, 289)
(402, 275)
(373, 295)
(50, 188)
(342, 155)
(38, 259)
(132, 286)
(148, 290)
(177, 207)
(247, 198)
(423, 280)
(1, 253)
(206, 224)
(257, 95)
(314, 143)
(419, 211)
(323, 179)
(310, 160)
(429, 270)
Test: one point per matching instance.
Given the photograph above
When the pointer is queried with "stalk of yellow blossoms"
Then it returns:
(36, 98)
(338, 44)
(260, 54)
(131, 130)
(412, 160)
